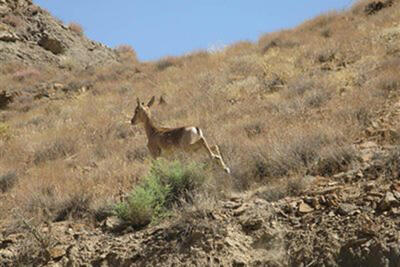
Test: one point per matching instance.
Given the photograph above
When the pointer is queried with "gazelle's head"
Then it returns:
(142, 111)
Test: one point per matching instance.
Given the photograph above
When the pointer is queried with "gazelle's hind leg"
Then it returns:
(201, 142)
(216, 156)
(216, 151)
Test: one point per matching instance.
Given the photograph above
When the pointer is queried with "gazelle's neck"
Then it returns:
(149, 126)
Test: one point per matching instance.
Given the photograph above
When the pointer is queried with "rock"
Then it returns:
(251, 224)
(57, 252)
(376, 6)
(114, 224)
(388, 201)
(396, 195)
(305, 208)
(5, 243)
(232, 205)
(51, 44)
(346, 209)
(240, 211)
(5, 99)
(4, 10)
(8, 37)
(312, 201)
(368, 144)
(395, 187)
(7, 254)
(238, 263)
(367, 156)
(369, 186)
(395, 211)
(58, 86)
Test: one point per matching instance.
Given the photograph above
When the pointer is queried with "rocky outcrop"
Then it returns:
(5, 99)
(30, 35)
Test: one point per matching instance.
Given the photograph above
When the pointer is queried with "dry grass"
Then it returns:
(290, 105)
(127, 54)
(76, 28)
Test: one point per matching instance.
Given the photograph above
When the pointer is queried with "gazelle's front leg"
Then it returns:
(155, 151)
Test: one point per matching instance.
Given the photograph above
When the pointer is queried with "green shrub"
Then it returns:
(166, 184)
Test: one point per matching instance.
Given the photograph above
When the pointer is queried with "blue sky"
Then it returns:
(160, 28)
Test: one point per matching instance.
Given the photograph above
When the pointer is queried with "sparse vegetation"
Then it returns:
(291, 104)
(286, 111)
(166, 184)
(127, 54)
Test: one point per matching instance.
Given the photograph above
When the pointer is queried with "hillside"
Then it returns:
(30, 35)
(307, 119)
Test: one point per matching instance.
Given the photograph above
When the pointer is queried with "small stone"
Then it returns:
(8, 37)
(58, 86)
(232, 205)
(368, 144)
(346, 209)
(4, 253)
(388, 201)
(305, 208)
(396, 187)
(239, 211)
(251, 224)
(312, 201)
(367, 156)
(395, 211)
(114, 224)
(369, 186)
(57, 252)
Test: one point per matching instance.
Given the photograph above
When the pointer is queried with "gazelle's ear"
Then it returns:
(151, 102)
(138, 101)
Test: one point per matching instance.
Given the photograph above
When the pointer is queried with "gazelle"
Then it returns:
(188, 138)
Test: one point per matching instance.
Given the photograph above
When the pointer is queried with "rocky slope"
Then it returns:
(30, 35)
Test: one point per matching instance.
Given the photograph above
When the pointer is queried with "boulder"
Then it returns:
(51, 44)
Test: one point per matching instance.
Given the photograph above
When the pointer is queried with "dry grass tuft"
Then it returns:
(127, 53)
(76, 28)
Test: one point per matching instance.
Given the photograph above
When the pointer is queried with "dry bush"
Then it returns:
(282, 39)
(56, 194)
(76, 28)
(167, 62)
(126, 53)
(241, 67)
(299, 150)
(240, 48)
(369, 7)
(61, 147)
(7, 181)
(386, 77)
(319, 22)
(292, 186)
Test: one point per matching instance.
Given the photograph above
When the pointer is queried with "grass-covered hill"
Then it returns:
(306, 118)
